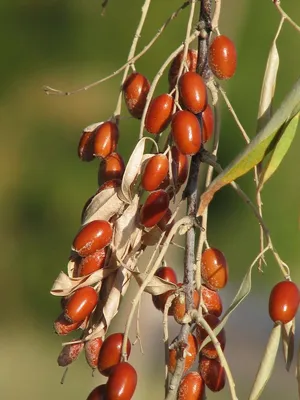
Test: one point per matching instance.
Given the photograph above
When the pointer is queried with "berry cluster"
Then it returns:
(116, 227)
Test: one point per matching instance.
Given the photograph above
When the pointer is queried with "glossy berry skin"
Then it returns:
(92, 349)
(112, 167)
(208, 124)
(159, 113)
(209, 349)
(106, 138)
(154, 208)
(64, 327)
(186, 132)
(191, 387)
(111, 352)
(81, 304)
(122, 382)
(135, 90)
(164, 224)
(212, 301)
(99, 393)
(192, 90)
(169, 275)
(191, 354)
(222, 57)
(180, 166)
(155, 172)
(214, 268)
(86, 146)
(91, 263)
(92, 237)
(69, 353)
(178, 305)
(213, 374)
(191, 62)
(284, 301)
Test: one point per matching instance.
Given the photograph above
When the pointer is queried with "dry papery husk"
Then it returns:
(156, 286)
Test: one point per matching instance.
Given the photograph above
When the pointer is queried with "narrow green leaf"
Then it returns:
(282, 143)
(257, 148)
(267, 363)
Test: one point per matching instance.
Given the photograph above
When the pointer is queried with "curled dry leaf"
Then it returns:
(104, 205)
(64, 285)
(133, 169)
(156, 286)
(288, 342)
(267, 363)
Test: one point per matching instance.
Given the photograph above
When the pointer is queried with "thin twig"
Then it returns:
(286, 16)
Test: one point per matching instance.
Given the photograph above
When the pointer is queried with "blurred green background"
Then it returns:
(44, 185)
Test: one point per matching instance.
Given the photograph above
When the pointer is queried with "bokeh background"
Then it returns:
(67, 44)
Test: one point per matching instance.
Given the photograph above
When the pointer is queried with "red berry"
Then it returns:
(214, 268)
(135, 90)
(178, 305)
(92, 350)
(99, 393)
(81, 304)
(284, 301)
(164, 223)
(191, 387)
(180, 166)
(155, 172)
(208, 124)
(106, 139)
(169, 275)
(212, 301)
(112, 167)
(91, 263)
(222, 57)
(111, 352)
(209, 349)
(122, 382)
(86, 146)
(212, 373)
(190, 352)
(159, 113)
(64, 327)
(191, 63)
(192, 91)
(69, 353)
(186, 132)
(154, 208)
(92, 237)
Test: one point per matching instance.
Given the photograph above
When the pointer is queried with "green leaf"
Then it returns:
(257, 148)
(280, 146)
(267, 363)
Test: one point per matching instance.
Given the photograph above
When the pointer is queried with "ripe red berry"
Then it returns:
(155, 172)
(178, 305)
(212, 301)
(112, 167)
(92, 350)
(111, 352)
(91, 263)
(190, 351)
(164, 223)
(192, 90)
(64, 327)
(186, 132)
(69, 353)
(86, 146)
(191, 387)
(214, 268)
(212, 373)
(122, 382)
(180, 166)
(284, 301)
(209, 349)
(81, 304)
(222, 57)
(135, 90)
(159, 113)
(169, 275)
(154, 208)
(191, 63)
(208, 124)
(99, 393)
(106, 138)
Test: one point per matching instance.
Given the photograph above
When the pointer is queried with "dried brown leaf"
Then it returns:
(288, 342)
(156, 286)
